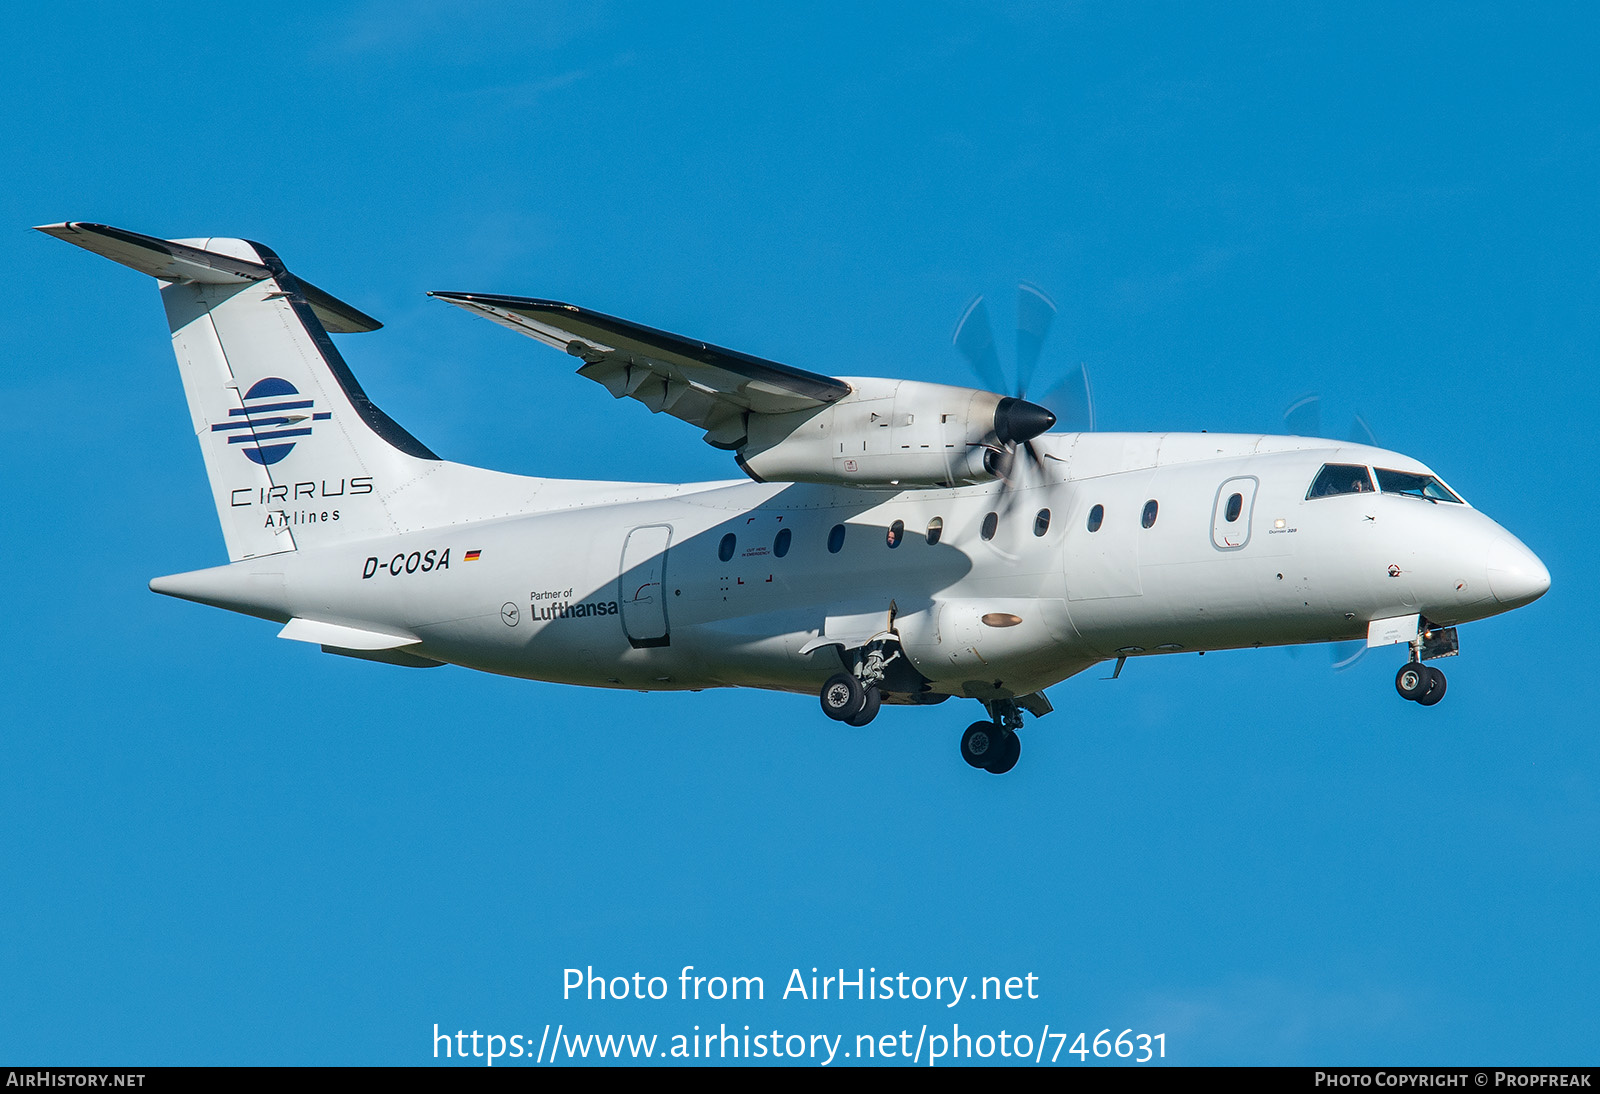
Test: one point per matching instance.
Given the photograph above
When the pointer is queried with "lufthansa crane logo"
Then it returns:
(273, 414)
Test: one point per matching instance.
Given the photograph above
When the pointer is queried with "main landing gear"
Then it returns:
(853, 697)
(846, 699)
(994, 745)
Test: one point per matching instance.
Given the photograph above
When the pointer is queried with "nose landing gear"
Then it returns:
(1420, 683)
(1436, 692)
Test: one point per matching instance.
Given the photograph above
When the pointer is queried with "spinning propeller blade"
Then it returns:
(1035, 313)
(1361, 432)
(1303, 417)
(974, 337)
(1016, 421)
(1072, 402)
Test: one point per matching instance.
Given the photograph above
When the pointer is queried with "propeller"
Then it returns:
(974, 338)
(1035, 313)
(1070, 399)
(1303, 418)
(1017, 421)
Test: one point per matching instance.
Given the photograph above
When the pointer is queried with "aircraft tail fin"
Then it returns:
(296, 453)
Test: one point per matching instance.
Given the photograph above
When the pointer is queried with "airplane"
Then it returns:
(892, 541)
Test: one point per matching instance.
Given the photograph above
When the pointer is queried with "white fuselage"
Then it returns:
(873, 558)
(564, 594)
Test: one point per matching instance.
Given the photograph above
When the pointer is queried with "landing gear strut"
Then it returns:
(994, 745)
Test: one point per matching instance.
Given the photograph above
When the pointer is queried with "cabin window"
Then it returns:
(836, 539)
(1415, 486)
(935, 530)
(991, 524)
(1041, 522)
(1097, 517)
(897, 532)
(1235, 507)
(1340, 478)
(780, 545)
(1150, 509)
(725, 548)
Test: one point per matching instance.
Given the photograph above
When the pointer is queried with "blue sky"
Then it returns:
(217, 847)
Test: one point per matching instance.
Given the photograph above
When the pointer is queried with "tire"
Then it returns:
(1010, 752)
(842, 697)
(978, 743)
(869, 708)
(1435, 689)
(1412, 681)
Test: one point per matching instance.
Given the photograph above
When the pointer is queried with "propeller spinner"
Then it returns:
(1017, 421)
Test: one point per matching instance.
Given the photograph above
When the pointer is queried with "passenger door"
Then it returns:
(1230, 515)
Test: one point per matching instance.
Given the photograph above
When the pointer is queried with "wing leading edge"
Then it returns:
(704, 385)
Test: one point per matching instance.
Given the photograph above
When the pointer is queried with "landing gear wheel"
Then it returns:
(1412, 681)
(869, 709)
(843, 697)
(980, 743)
(1435, 690)
(1008, 751)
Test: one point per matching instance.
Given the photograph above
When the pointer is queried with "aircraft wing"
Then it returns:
(705, 385)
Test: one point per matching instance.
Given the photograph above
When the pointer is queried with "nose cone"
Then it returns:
(1516, 576)
(1017, 420)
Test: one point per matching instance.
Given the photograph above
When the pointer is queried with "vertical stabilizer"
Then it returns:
(297, 455)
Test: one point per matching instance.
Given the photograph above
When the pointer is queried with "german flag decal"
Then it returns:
(472, 556)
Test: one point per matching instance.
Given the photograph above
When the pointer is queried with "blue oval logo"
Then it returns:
(273, 412)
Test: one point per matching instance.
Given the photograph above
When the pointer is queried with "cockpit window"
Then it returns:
(1415, 486)
(1340, 478)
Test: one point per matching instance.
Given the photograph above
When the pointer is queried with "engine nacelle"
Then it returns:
(889, 433)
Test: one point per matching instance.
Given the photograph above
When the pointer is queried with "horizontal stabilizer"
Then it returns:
(185, 261)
